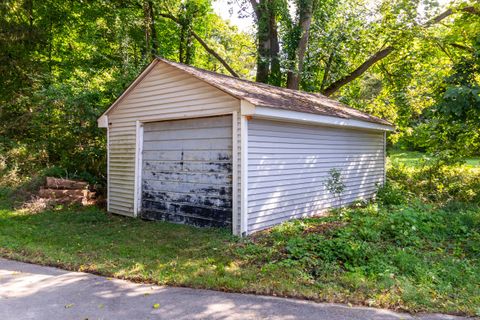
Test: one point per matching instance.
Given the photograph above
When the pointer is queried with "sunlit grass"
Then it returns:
(411, 256)
(413, 158)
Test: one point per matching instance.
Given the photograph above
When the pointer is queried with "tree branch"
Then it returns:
(462, 47)
(379, 55)
(204, 45)
(358, 71)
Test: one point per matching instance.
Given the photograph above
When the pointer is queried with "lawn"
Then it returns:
(413, 158)
(398, 253)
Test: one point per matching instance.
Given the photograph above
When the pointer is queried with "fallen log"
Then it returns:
(61, 193)
(58, 183)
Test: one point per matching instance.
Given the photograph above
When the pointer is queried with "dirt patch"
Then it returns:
(323, 227)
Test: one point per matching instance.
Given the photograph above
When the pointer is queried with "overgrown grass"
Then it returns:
(410, 250)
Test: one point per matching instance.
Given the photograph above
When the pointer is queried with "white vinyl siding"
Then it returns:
(288, 166)
(164, 93)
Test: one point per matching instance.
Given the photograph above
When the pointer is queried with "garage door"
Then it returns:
(187, 171)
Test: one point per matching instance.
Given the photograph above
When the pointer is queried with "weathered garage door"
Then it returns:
(187, 171)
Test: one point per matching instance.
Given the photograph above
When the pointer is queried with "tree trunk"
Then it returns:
(153, 31)
(188, 46)
(263, 42)
(357, 72)
(305, 20)
(275, 77)
(146, 27)
(326, 72)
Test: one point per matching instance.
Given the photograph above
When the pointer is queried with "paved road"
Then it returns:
(29, 291)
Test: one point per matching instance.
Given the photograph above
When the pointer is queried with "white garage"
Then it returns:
(191, 146)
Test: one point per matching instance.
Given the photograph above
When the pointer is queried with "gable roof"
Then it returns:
(264, 95)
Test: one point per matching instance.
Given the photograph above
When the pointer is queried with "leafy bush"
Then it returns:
(391, 194)
(416, 255)
(435, 181)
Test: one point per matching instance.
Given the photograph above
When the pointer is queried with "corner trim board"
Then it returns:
(138, 169)
(244, 176)
(384, 158)
(235, 213)
(108, 165)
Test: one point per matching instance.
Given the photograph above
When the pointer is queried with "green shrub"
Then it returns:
(391, 194)
(434, 181)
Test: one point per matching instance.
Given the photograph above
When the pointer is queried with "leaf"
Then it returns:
(156, 306)
(68, 306)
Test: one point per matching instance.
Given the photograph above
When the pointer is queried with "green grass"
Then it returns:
(413, 158)
(417, 249)
(412, 257)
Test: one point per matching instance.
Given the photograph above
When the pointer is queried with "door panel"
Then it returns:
(187, 171)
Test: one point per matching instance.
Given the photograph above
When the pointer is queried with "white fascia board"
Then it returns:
(102, 122)
(303, 117)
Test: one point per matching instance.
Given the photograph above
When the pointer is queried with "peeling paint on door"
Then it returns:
(187, 171)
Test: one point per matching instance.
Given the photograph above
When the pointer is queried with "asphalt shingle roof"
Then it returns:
(269, 96)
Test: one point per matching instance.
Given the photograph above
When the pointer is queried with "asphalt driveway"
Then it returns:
(29, 291)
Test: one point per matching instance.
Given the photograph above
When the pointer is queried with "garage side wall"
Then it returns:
(289, 166)
(165, 93)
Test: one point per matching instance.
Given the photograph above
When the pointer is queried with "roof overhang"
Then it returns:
(248, 109)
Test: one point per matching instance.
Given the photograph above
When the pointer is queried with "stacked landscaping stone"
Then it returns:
(63, 191)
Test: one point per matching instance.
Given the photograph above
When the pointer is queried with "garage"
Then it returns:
(187, 171)
(191, 146)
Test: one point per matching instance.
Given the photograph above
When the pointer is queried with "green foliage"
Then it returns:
(452, 123)
(432, 181)
(415, 248)
(62, 64)
(335, 184)
(391, 194)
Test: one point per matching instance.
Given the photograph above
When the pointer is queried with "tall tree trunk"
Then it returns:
(326, 71)
(305, 20)
(263, 40)
(189, 47)
(153, 30)
(275, 76)
(146, 27)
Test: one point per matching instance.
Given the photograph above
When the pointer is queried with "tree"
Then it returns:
(277, 23)
(452, 124)
(63, 63)
(388, 49)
